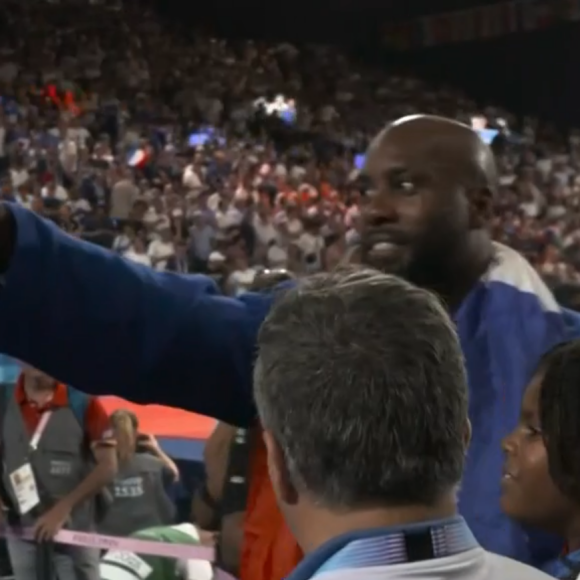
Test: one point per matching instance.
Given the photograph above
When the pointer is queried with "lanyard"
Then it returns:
(418, 543)
(44, 418)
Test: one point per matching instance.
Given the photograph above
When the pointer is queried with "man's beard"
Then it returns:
(400, 268)
(428, 265)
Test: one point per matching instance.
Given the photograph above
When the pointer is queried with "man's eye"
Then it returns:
(406, 185)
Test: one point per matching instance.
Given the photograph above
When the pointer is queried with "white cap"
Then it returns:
(216, 257)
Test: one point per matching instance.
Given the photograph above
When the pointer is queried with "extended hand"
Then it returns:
(49, 524)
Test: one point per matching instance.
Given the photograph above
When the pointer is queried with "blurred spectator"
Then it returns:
(139, 491)
(137, 252)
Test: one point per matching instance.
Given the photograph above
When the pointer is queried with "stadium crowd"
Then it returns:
(154, 144)
(191, 154)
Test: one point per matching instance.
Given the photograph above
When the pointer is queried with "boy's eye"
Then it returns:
(532, 431)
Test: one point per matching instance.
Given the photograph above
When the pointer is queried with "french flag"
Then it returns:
(137, 158)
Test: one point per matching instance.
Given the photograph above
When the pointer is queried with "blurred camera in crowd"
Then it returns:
(280, 107)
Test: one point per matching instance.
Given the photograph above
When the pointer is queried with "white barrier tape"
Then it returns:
(149, 547)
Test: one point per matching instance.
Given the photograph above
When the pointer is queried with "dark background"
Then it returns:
(530, 73)
(536, 73)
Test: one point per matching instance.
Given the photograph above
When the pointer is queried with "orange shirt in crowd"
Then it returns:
(325, 190)
(269, 552)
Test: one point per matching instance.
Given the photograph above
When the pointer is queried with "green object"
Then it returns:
(116, 565)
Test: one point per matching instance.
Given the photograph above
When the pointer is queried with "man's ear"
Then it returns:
(480, 208)
(279, 473)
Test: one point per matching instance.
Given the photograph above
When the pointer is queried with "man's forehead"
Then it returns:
(396, 148)
(392, 152)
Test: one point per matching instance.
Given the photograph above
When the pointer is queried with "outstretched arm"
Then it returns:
(106, 326)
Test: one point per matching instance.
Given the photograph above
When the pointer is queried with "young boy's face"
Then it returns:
(528, 493)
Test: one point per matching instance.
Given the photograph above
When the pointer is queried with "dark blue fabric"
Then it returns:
(183, 449)
(92, 319)
(503, 333)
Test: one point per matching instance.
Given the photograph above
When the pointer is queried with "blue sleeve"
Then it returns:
(94, 320)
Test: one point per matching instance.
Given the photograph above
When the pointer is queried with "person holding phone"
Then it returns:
(140, 499)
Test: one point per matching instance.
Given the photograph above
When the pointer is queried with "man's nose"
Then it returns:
(381, 209)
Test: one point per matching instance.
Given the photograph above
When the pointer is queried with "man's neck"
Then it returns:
(572, 534)
(324, 525)
(573, 544)
(457, 277)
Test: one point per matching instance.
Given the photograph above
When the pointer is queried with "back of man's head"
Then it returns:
(361, 388)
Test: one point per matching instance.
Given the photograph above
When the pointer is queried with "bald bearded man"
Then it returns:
(92, 319)
(433, 184)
